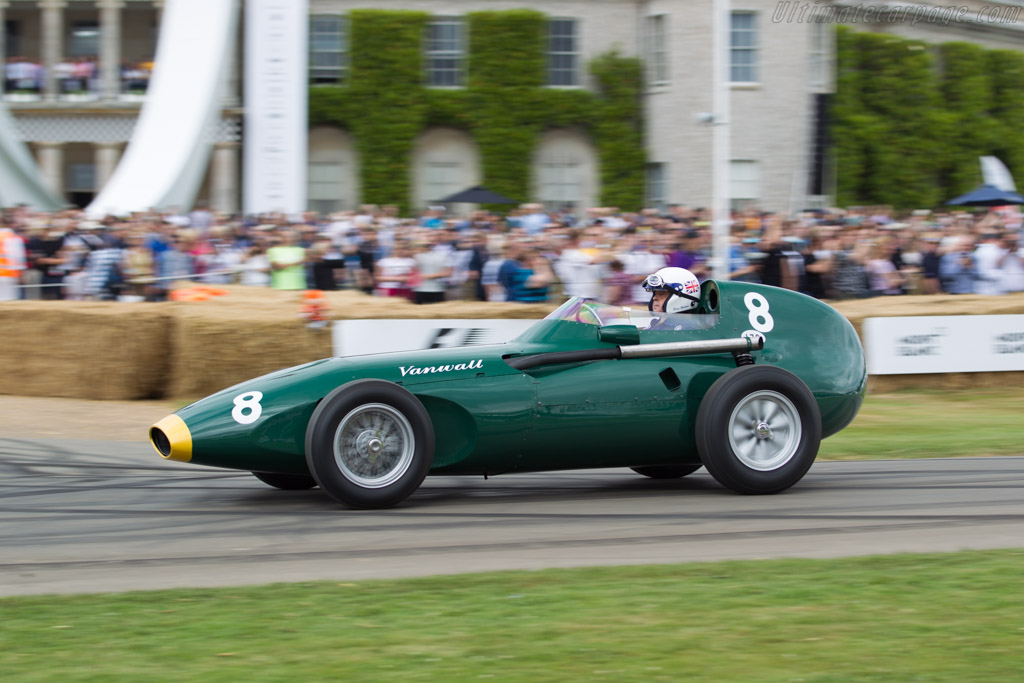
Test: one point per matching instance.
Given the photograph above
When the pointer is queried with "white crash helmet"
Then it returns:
(683, 285)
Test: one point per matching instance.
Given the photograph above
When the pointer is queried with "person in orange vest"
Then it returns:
(12, 263)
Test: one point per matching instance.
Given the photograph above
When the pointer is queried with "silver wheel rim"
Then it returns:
(374, 445)
(765, 430)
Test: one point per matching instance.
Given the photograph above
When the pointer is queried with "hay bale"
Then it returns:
(939, 304)
(952, 381)
(127, 351)
(252, 331)
(858, 310)
(213, 350)
(75, 349)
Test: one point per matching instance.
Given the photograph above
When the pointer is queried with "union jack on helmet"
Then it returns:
(681, 283)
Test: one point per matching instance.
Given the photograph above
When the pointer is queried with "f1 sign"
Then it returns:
(359, 337)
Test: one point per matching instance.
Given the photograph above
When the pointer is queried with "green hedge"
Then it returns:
(910, 120)
(504, 106)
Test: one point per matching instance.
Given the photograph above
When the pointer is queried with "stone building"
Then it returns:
(75, 78)
(76, 72)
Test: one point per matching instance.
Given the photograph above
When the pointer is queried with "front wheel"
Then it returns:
(666, 471)
(758, 429)
(369, 444)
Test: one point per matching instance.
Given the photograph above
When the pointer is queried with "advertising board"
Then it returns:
(942, 344)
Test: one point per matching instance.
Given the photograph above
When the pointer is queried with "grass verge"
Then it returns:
(932, 424)
(943, 617)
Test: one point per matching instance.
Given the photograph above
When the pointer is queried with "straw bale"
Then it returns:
(939, 304)
(952, 381)
(75, 349)
(252, 331)
(212, 352)
(187, 349)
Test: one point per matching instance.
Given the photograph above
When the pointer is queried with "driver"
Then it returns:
(673, 290)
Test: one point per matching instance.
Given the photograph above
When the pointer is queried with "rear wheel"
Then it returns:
(758, 429)
(666, 471)
(286, 482)
(369, 444)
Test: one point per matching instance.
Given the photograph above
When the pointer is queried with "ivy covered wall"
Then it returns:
(910, 119)
(504, 106)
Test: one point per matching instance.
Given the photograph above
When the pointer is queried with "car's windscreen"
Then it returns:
(590, 312)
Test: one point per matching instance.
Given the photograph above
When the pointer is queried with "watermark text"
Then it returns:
(818, 12)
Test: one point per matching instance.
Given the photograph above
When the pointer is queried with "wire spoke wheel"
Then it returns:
(374, 445)
(369, 444)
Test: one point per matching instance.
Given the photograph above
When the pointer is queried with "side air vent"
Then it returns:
(670, 379)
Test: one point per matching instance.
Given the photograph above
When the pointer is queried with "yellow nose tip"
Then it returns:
(172, 439)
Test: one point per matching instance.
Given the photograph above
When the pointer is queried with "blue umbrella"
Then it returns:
(987, 195)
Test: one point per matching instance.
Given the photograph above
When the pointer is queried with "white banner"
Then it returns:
(940, 344)
(276, 101)
(359, 337)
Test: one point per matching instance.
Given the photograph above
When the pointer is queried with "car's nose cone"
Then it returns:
(172, 439)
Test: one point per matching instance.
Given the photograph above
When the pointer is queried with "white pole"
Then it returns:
(720, 141)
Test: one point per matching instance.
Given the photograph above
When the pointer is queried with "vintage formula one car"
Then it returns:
(746, 387)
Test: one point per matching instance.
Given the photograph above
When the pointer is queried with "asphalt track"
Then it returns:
(90, 516)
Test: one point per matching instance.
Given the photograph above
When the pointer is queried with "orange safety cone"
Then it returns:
(314, 308)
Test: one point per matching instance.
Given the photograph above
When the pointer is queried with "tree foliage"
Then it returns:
(910, 120)
(504, 106)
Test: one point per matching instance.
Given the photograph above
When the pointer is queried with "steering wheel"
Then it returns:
(593, 312)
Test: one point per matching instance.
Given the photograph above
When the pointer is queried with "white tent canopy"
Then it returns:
(166, 158)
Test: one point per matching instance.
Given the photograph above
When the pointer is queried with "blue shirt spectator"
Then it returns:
(958, 272)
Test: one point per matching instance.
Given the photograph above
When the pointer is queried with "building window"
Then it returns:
(328, 49)
(561, 184)
(820, 145)
(744, 183)
(446, 52)
(81, 178)
(12, 39)
(441, 179)
(85, 39)
(563, 53)
(818, 55)
(324, 187)
(656, 187)
(657, 50)
(743, 47)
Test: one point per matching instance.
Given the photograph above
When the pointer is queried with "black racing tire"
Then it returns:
(369, 444)
(758, 429)
(286, 482)
(666, 471)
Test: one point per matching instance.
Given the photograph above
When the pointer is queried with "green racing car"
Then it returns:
(746, 386)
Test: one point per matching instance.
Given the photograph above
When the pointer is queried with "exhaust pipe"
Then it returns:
(684, 348)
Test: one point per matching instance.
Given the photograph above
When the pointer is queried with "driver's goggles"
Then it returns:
(652, 282)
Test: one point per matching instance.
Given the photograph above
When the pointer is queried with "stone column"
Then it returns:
(53, 42)
(3, 44)
(110, 48)
(51, 164)
(105, 158)
(224, 177)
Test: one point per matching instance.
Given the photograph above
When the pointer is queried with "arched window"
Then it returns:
(565, 171)
(445, 161)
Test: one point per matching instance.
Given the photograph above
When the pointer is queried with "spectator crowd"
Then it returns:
(529, 255)
(74, 76)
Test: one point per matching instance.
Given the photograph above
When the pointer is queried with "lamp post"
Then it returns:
(720, 140)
